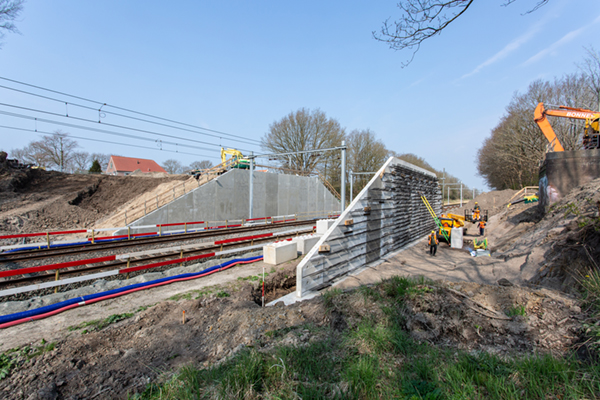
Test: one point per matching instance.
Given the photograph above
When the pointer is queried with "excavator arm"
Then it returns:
(590, 117)
(539, 116)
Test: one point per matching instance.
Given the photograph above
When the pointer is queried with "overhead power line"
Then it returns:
(96, 130)
(102, 105)
(107, 141)
(106, 124)
(117, 114)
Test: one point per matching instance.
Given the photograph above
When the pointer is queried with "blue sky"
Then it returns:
(238, 66)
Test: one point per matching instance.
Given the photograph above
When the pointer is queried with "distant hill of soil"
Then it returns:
(35, 200)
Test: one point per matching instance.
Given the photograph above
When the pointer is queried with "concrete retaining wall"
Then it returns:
(397, 217)
(226, 198)
(563, 171)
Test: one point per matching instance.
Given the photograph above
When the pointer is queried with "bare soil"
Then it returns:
(505, 304)
(35, 200)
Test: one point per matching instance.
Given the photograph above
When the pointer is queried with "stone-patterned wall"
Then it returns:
(397, 217)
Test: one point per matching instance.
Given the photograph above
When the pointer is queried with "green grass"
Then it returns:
(516, 310)
(13, 358)
(98, 324)
(376, 358)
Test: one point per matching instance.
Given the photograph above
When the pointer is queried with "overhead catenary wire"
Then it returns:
(104, 123)
(109, 142)
(117, 114)
(103, 104)
(96, 130)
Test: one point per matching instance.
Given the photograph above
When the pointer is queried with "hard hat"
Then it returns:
(475, 202)
(432, 231)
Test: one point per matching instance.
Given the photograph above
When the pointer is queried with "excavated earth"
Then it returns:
(145, 340)
(35, 200)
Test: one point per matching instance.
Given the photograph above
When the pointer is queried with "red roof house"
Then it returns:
(126, 165)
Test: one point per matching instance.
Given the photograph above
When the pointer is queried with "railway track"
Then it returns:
(99, 246)
(147, 260)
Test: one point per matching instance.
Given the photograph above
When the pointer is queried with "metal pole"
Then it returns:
(443, 185)
(448, 195)
(351, 182)
(251, 194)
(461, 194)
(343, 175)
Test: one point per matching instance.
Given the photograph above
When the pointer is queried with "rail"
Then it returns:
(185, 227)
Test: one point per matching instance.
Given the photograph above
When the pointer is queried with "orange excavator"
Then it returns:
(591, 138)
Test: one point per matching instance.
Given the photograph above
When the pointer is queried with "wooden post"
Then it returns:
(56, 274)
(160, 230)
(92, 236)
(185, 227)
(48, 239)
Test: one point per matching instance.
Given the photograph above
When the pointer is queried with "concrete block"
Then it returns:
(277, 253)
(323, 225)
(456, 238)
(306, 242)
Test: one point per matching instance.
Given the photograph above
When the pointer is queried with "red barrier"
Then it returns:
(243, 238)
(180, 223)
(163, 263)
(50, 267)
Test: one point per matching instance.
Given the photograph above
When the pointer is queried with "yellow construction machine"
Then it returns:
(449, 221)
(240, 161)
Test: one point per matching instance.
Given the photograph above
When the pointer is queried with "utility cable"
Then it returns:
(125, 109)
(119, 115)
(96, 130)
(107, 124)
(109, 142)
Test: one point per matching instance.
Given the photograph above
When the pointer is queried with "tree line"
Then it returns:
(307, 129)
(509, 158)
(59, 152)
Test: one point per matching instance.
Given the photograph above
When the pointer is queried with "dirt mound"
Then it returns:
(558, 246)
(494, 201)
(35, 200)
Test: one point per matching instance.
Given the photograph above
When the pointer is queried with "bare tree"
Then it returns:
(173, 166)
(33, 153)
(58, 149)
(365, 154)
(81, 161)
(9, 11)
(304, 130)
(591, 70)
(204, 164)
(423, 19)
(509, 157)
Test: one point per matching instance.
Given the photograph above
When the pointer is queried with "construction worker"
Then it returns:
(481, 226)
(433, 242)
(476, 212)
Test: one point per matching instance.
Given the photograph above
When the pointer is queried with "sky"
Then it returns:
(218, 73)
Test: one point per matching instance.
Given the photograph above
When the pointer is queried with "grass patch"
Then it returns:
(376, 358)
(13, 358)
(516, 310)
(99, 324)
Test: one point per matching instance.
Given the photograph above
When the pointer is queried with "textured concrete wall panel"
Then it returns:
(387, 215)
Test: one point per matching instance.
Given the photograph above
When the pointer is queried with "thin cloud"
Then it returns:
(508, 49)
(563, 40)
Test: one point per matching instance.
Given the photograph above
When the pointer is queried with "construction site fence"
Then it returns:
(98, 235)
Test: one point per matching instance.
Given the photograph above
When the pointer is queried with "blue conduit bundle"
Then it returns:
(46, 311)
